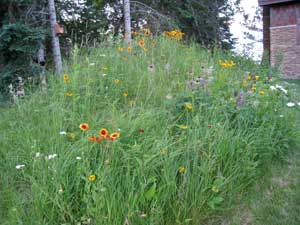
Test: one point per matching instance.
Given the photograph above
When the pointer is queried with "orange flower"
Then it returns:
(103, 133)
(84, 126)
(147, 33)
(92, 138)
(141, 43)
(114, 136)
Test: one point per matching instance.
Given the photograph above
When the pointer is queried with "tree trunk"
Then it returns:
(127, 21)
(42, 63)
(55, 39)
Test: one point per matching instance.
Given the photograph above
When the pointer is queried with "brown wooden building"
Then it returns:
(281, 31)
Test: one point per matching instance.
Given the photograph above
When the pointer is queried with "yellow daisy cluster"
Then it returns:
(175, 34)
(227, 64)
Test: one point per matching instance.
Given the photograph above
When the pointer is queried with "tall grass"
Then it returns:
(181, 156)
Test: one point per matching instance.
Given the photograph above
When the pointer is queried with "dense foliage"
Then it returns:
(122, 138)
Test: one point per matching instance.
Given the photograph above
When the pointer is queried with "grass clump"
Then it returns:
(177, 155)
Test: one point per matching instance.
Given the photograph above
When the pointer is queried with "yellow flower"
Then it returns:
(92, 178)
(125, 94)
(188, 106)
(184, 127)
(256, 78)
(253, 88)
(129, 49)
(69, 94)
(66, 78)
(181, 170)
(145, 49)
(249, 77)
(141, 43)
(147, 33)
(215, 189)
(120, 49)
(117, 81)
(262, 92)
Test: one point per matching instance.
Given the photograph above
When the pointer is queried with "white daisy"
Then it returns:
(290, 104)
(78, 158)
(19, 167)
(63, 133)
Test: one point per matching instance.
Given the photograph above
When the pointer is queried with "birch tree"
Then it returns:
(55, 39)
(127, 21)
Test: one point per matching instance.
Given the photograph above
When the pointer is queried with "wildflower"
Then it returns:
(120, 49)
(84, 126)
(125, 94)
(63, 133)
(298, 103)
(38, 155)
(52, 156)
(215, 189)
(66, 78)
(273, 88)
(92, 178)
(281, 89)
(69, 94)
(92, 139)
(188, 106)
(129, 49)
(141, 131)
(290, 104)
(104, 68)
(253, 88)
(181, 170)
(103, 133)
(184, 127)
(147, 33)
(117, 81)
(114, 136)
(71, 135)
(249, 77)
(169, 96)
(151, 68)
(262, 92)
(19, 167)
(141, 43)
(256, 78)
(92, 64)
(145, 49)
(78, 158)
(104, 74)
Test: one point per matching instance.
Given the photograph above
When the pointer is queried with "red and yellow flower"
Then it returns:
(103, 133)
(114, 136)
(84, 127)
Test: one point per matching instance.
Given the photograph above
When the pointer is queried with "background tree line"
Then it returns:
(25, 31)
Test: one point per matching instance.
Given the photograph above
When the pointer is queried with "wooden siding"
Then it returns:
(284, 15)
(271, 2)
